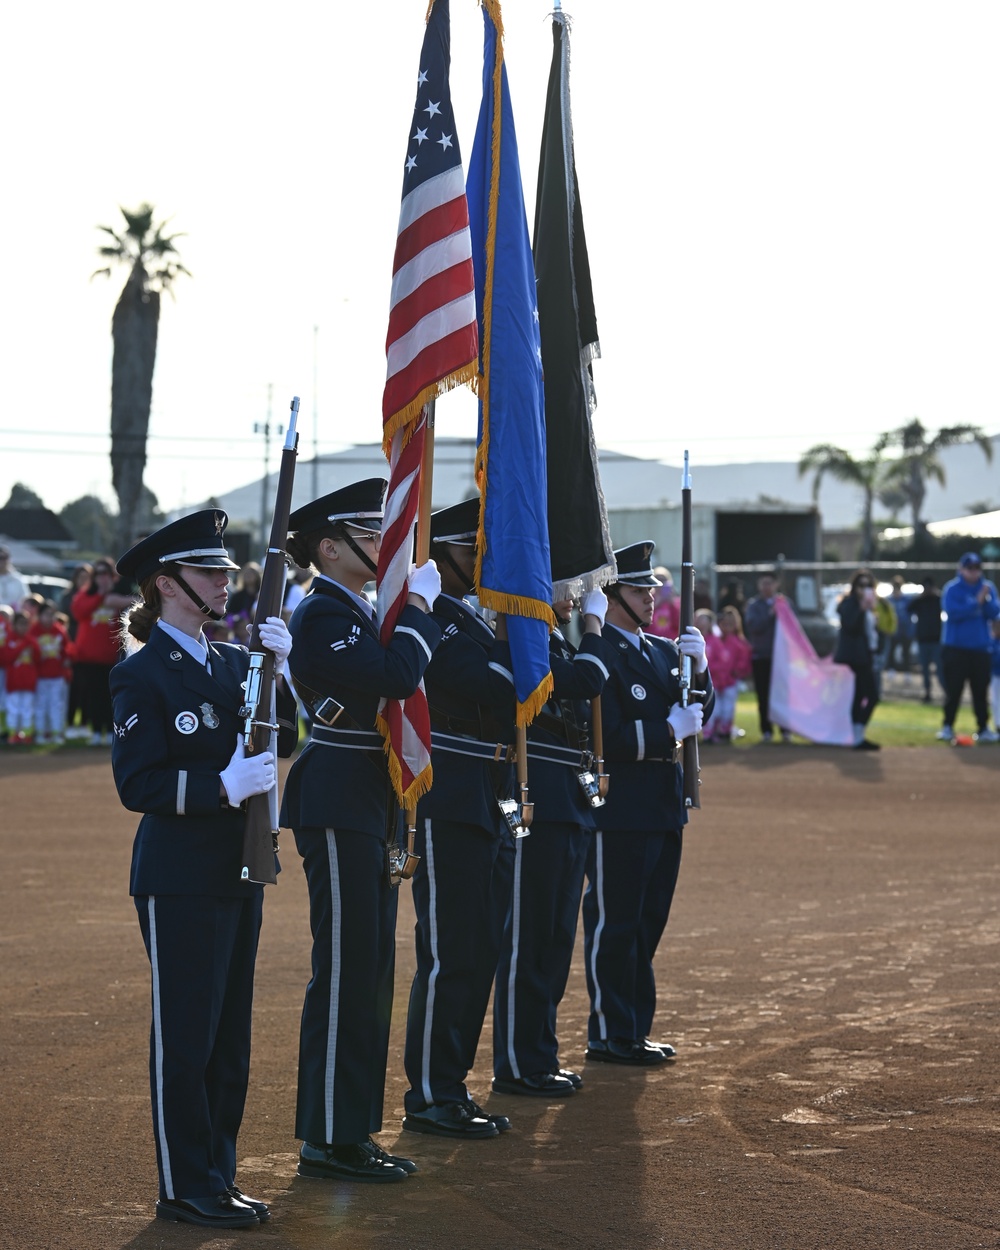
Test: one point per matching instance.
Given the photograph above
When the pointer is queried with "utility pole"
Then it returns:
(265, 429)
(315, 466)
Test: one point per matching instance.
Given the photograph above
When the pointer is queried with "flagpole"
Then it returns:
(421, 556)
(423, 546)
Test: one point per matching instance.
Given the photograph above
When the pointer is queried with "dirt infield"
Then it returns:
(829, 977)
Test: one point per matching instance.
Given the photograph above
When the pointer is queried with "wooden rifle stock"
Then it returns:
(689, 749)
(260, 730)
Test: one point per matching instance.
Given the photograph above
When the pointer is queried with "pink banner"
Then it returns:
(809, 695)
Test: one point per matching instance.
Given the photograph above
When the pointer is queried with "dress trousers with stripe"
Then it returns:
(635, 855)
(461, 889)
(338, 802)
(175, 729)
(549, 866)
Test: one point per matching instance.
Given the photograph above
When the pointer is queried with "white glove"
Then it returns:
(692, 643)
(686, 721)
(595, 603)
(275, 636)
(247, 774)
(424, 580)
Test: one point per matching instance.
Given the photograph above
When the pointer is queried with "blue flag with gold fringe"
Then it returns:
(513, 569)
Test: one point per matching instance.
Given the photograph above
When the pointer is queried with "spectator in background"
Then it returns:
(885, 627)
(82, 575)
(733, 597)
(902, 639)
(759, 621)
(12, 585)
(970, 604)
(995, 671)
(6, 624)
(20, 657)
(925, 615)
(729, 662)
(295, 591)
(857, 647)
(666, 607)
(54, 673)
(96, 608)
(243, 601)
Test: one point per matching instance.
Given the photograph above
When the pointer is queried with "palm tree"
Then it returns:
(152, 263)
(919, 462)
(867, 473)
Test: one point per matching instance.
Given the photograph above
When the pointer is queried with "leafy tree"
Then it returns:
(22, 496)
(152, 263)
(868, 473)
(91, 524)
(919, 462)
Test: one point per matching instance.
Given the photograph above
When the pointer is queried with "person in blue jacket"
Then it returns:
(462, 886)
(340, 805)
(540, 930)
(969, 603)
(178, 758)
(635, 854)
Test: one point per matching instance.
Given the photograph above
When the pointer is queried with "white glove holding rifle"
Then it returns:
(686, 721)
(275, 636)
(246, 775)
(692, 643)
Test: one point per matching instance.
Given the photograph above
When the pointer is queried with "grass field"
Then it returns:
(900, 720)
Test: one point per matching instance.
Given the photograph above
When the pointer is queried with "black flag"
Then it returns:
(579, 538)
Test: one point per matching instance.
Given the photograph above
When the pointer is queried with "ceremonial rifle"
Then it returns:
(258, 713)
(689, 749)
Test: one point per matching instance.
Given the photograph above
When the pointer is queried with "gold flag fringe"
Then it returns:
(406, 419)
(533, 704)
(418, 786)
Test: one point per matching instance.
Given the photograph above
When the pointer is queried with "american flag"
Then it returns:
(432, 345)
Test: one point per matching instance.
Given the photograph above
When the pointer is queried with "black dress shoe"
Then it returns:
(668, 1051)
(635, 1054)
(541, 1085)
(219, 1211)
(451, 1119)
(501, 1122)
(360, 1161)
(574, 1078)
(866, 745)
(260, 1209)
(396, 1161)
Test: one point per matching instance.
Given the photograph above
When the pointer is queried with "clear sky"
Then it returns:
(792, 209)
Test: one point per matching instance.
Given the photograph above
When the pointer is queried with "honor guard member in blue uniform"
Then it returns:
(339, 802)
(176, 722)
(462, 885)
(636, 853)
(549, 865)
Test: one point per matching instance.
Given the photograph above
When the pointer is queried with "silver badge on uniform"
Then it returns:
(175, 655)
(638, 692)
(185, 722)
(208, 716)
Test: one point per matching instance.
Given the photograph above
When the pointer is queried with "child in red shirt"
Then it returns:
(54, 675)
(729, 662)
(21, 658)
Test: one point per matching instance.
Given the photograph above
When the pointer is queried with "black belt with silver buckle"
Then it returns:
(353, 739)
(552, 754)
(497, 752)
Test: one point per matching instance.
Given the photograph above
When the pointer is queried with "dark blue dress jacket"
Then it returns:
(646, 787)
(470, 689)
(175, 730)
(336, 652)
